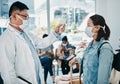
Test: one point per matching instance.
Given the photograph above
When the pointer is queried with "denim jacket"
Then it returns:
(96, 70)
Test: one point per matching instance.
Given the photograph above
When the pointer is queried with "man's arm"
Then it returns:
(7, 64)
(60, 52)
(50, 39)
(45, 42)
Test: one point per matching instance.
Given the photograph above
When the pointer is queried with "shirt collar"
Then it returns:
(97, 43)
(13, 29)
(18, 33)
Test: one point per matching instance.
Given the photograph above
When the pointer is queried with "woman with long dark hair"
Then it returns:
(96, 66)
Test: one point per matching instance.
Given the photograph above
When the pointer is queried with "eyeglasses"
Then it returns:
(26, 17)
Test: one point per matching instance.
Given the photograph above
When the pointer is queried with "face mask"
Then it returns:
(25, 23)
(64, 44)
(89, 32)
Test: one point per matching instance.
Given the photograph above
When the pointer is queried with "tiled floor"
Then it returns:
(49, 80)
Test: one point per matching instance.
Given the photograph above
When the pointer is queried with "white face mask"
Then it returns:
(25, 23)
(89, 32)
(64, 44)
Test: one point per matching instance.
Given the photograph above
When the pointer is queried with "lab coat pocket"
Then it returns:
(23, 81)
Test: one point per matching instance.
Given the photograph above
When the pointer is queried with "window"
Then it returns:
(3, 24)
(74, 12)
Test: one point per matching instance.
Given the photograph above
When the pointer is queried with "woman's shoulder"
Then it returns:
(106, 44)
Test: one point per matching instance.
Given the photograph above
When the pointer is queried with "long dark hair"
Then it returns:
(104, 30)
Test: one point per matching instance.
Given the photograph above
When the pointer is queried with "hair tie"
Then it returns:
(103, 27)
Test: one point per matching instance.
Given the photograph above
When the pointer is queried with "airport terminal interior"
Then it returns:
(46, 15)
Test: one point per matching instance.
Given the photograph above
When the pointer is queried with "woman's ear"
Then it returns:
(97, 27)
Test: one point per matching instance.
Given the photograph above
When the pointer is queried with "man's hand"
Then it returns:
(60, 28)
(63, 48)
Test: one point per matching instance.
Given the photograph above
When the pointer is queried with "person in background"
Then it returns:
(46, 56)
(96, 67)
(1, 80)
(19, 62)
(64, 51)
(115, 73)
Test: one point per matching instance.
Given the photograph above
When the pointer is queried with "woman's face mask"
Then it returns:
(89, 32)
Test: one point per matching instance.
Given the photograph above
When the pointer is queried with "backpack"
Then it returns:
(1, 81)
(116, 58)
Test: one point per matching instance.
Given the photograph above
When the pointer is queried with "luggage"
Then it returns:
(115, 77)
(68, 79)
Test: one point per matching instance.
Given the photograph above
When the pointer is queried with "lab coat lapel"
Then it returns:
(16, 33)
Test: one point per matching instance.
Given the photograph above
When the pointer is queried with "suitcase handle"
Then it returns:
(71, 76)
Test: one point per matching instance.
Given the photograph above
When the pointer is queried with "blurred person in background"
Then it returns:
(46, 56)
(63, 52)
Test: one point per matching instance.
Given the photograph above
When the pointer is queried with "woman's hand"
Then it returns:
(72, 62)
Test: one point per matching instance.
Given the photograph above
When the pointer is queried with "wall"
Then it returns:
(110, 10)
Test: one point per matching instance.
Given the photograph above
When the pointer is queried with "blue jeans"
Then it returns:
(47, 65)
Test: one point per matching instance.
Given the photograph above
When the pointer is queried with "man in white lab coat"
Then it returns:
(19, 63)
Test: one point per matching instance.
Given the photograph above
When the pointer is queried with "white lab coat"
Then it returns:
(16, 57)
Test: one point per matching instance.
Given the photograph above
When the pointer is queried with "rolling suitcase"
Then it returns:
(69, 79)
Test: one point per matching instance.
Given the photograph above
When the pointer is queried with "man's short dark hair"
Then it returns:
(45, 35)
(17, 6)
(64, 38)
